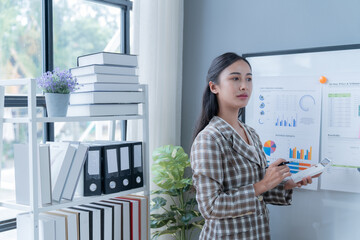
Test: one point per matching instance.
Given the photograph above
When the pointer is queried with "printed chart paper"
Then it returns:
(286, 111)
(341, 133)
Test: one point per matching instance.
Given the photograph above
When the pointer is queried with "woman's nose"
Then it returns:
(243, 85)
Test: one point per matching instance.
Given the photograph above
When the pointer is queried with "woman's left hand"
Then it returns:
(290, 184)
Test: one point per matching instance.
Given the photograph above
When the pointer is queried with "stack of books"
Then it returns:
(108, 85)
(124, 218)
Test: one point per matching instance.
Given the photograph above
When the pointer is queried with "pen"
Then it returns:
(283, 163)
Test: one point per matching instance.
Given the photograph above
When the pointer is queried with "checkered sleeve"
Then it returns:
(278, 195)
(208, 175)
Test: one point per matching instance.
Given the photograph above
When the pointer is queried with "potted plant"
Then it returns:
(179, 218)
(57, 86)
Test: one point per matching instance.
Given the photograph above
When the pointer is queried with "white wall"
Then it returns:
(212, 27)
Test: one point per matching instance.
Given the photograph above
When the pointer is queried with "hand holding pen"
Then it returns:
(274, 175)
(281, 164)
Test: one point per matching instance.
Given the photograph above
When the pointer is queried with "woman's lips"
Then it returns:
(242, 96)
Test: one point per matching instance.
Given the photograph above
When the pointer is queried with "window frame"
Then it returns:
(47, 52)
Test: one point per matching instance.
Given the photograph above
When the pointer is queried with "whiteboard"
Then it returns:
(318, 214)
(308, 63)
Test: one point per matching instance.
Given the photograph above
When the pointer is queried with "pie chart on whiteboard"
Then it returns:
(269, 147)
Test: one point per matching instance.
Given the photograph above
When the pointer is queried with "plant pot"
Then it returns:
(57, 104)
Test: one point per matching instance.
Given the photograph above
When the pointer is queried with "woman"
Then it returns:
(232, 183)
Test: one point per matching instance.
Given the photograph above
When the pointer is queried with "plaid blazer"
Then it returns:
(224, 170)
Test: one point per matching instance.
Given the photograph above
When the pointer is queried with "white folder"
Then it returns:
(83, 223)
(24, 230)
(107, 220)
(60, 225)
(126, 218)
(136, 221)
(117, 218)
(72, 231)
(96, 224)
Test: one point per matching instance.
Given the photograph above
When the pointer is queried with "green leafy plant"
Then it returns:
(179, 218)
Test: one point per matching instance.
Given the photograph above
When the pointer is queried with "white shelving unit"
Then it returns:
(32, 121)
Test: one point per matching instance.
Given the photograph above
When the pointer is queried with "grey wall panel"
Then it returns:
(212, 27)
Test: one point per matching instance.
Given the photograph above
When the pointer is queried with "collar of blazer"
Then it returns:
(237, 143)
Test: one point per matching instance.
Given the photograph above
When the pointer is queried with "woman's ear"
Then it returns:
(213, 87)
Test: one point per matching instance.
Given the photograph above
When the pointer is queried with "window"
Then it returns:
(20, 39)
(82, 27)
(20, 57)
(27, 49)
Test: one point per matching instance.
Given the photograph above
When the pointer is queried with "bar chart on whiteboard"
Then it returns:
(286, 112)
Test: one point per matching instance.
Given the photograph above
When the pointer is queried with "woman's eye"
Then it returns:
(249, 79)
(235, 78)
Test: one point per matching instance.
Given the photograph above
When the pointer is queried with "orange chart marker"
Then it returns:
(323, 79)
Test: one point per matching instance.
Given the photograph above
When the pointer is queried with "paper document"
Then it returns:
(285, 111)
(341, 133)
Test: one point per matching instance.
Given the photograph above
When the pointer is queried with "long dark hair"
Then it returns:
(210, 106)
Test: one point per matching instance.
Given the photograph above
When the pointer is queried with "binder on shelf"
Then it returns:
(130, 163)
(137, 165)
(109, 218)
(46, 227)
(124, 163)
(71, 223)
(126, 223)
(95, 215)
(84, 223)
(61, 155)
(107, 221)
(21, 164)
(100, 220)
(22, 177)
(92, 172)
(136, 216)
(144, 202)
(109, 58)
(75, 171)
(77, 220)
(49, 231)
(117, 218)
(60, 225)
(111, 180)
(45, 178)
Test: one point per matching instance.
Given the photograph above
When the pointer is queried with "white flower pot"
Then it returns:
(57, 104)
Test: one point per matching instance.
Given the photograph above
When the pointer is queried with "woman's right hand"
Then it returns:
(274, 176)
